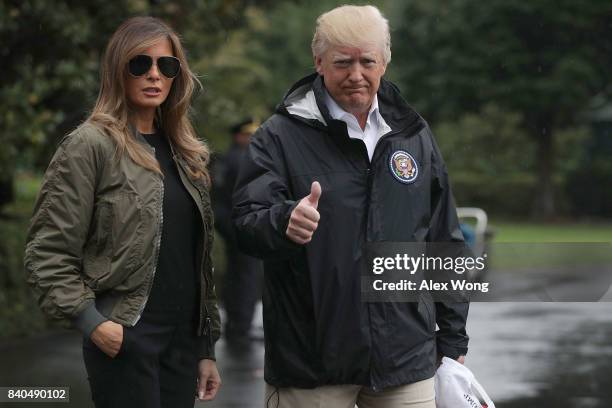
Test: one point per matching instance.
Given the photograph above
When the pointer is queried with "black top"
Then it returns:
(175, 291)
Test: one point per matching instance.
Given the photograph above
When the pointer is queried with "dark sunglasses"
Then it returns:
(141, 64)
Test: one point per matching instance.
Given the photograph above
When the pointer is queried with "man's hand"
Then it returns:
(460, 360)
(209, 381)
(108, 336)
(304, 218)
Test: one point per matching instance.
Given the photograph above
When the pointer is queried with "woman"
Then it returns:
(120, 241)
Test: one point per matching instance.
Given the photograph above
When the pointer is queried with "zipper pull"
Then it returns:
(208, 331)
(207, 323)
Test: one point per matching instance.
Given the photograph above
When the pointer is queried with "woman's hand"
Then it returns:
(108, 336)
(209, 380)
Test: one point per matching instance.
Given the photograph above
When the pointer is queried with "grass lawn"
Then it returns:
(562, 232)
(523, 244)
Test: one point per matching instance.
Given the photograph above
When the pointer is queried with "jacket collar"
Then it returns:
(305, 101)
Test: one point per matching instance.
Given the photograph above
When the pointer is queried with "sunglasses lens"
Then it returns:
(169, 66)
(140, 64)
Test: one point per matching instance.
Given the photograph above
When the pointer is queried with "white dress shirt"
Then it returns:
(374, 129)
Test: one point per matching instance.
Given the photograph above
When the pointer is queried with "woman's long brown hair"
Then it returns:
(112, 112)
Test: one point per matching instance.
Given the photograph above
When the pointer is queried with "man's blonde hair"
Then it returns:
(352, 26)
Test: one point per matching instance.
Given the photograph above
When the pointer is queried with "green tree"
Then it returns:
(544, 60)
(490, 158)
(49, 52)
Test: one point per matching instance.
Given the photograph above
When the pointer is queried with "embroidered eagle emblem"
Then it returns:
(403, 166)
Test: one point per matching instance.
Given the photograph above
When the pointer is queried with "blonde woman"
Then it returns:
(120, 241)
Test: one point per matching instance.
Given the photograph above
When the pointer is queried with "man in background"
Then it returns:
(243, 274)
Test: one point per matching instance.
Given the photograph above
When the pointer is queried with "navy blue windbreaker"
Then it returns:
(317, 329)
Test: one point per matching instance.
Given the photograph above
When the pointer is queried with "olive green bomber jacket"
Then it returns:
(94, 237)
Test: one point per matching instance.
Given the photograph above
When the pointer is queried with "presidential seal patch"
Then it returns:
(403, 167)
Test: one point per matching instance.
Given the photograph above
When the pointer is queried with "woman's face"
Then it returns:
(148, 91)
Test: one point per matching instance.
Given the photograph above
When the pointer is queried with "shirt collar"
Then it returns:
(338, 113)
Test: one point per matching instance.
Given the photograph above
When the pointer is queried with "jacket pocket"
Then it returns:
(407, 328)
(98, 249)
(128, 231)
(115, 245)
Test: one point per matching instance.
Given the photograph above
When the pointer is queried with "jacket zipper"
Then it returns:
(370, 180)
(208, 332)
(206, 327)
(157, 247)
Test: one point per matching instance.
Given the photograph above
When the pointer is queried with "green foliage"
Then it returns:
(19, 313)
(541, 58)
(591, 174)
(545, 60)
(51, 52)
(487, 144)
(491, 158)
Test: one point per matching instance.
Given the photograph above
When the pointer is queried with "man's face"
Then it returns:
(352, 76)
(242, 139)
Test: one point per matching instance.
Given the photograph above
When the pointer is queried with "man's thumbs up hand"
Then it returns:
(304, 218)
(315, 194)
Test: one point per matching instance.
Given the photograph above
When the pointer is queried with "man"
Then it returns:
(243, 275)
(345, 161)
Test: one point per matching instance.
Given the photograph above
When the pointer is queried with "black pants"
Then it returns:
(156, 367)
(241, 291)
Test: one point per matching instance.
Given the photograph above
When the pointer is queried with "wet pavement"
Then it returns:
(553, 355)
(540, 355)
